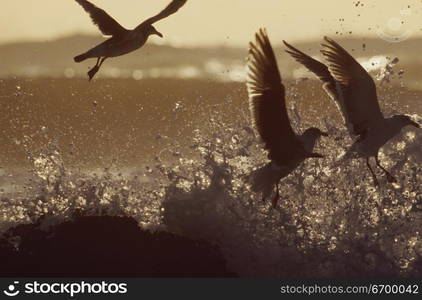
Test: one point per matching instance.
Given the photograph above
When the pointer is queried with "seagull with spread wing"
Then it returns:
(354, 91)
(267, 104)
(122, 40)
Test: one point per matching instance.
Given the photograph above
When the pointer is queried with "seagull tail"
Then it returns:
(263, 179)
(81, 57)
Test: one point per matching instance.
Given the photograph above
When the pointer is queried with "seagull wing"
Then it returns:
(330, 85)
(267, 102)
(357, 88)
(99, 17)
(172, 8)
(318, 68)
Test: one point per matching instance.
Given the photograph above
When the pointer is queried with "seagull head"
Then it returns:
(152, 30)
(404, 120)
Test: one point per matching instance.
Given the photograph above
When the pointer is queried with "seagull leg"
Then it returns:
(374, 177)
(316, 155)
(390, 178)
(102, 61)
(95, 69)
(276, 197)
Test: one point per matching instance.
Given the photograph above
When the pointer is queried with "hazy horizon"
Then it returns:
(218, 22)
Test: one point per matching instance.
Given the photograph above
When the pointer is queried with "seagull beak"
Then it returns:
(159, 34)
(415, 124)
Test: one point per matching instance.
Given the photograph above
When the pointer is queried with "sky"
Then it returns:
(219, 22)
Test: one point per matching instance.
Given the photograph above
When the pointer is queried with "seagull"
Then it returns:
(354, 92)
(267, 104)
(122, 40)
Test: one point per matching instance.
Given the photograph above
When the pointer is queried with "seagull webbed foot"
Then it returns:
(390, 178)
(275, 200)
(317, 155)
(276, 197)
(92, 72)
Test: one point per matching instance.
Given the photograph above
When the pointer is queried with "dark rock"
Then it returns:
(105, 247)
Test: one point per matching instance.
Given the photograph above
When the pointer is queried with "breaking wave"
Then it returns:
(331, 220)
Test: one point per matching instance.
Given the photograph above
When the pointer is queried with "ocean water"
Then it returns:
(176, 155)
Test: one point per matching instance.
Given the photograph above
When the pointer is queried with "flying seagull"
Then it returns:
(267, 105)
(354, 92)
(122, 40)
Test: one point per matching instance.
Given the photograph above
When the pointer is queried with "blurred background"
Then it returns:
(206, 39)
